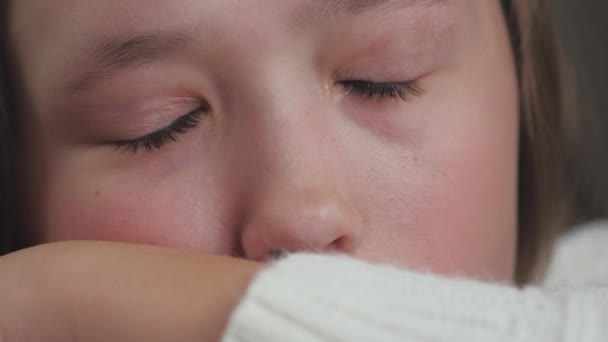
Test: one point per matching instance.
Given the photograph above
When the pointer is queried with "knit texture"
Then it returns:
(314, 298)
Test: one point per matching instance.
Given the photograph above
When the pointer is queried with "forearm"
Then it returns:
(29, 305)
(121, 292)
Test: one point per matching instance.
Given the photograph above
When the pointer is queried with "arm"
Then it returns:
(316, 298)
(96, 291)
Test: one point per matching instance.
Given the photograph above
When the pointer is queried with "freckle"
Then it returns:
(97, 193)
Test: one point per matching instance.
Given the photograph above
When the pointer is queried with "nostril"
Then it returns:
(277, 254)
(338, 245)
(294, 223)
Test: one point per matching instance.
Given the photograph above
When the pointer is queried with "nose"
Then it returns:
(300, 220)
(297, 161)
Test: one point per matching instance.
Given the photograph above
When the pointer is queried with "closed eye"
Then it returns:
(372, 91)
(387, 90)
(157, 139)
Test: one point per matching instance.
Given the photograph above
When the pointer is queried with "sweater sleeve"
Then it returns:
(316, 298)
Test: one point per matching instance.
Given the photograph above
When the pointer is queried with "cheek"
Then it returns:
(448, 204)
(475, 196)
(172, 209)
(454, 216)
(111, 216)
(474, 217)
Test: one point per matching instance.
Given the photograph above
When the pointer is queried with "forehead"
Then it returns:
(50, 34)
(146, 12)
(56, 17)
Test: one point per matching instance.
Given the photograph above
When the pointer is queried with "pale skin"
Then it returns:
(288, 153)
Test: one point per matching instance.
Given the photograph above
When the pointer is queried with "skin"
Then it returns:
(51, 293)
(285, 158)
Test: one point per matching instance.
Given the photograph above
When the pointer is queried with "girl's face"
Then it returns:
(385, 129)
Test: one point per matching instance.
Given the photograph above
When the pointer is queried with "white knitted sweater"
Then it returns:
(316, 298)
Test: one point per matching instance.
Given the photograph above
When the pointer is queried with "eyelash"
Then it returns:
(156, 140)
(370, 90)
(380, 91)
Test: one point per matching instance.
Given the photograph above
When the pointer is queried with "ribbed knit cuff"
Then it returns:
(314, 298)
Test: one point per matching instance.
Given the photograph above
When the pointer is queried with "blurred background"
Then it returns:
(583, 26)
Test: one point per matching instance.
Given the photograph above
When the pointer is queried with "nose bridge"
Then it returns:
(298, 130)
(299, 201)
(301, 155)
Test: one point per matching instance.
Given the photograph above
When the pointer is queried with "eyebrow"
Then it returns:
(326, 8)
(114, 54)
(131, 50)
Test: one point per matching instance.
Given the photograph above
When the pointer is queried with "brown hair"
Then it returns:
(542, 134)
(10, 229)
